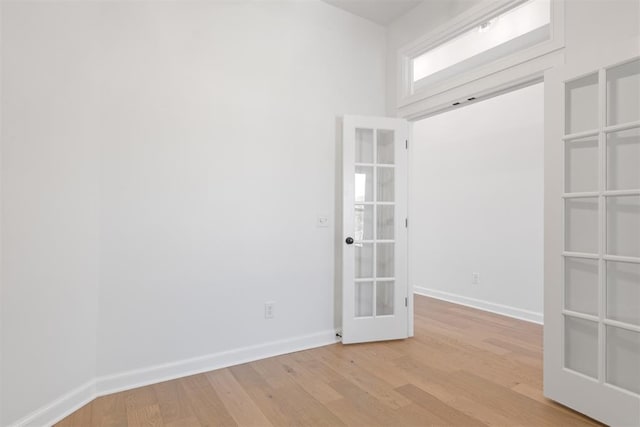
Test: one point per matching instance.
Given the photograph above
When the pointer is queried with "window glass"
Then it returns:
(525, 25)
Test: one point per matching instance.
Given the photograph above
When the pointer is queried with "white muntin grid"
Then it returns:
(602, 194)
(375, 166)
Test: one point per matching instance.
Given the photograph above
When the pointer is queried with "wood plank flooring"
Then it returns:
(464, 367)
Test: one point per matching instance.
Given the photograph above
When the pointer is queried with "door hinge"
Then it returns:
(406, 144)
(406, 223)
(406, 302)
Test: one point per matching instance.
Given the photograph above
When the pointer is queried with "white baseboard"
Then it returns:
(65, 405)
(505, 310)
(61, 407)
(169, 371)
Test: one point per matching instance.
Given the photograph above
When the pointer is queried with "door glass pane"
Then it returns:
(623, 292)
(384, 298)
(581, 346)
(363, 222)
(581, 98)
(581, 225)
(623, 93)
(374, 222)
(623, 358)
(364, 260)
(364, 146)
(385, 146)
(386, 184)
(623, 160)
(385, 259)
(385, 222)
(581, 285)
(364, 299)
(364, 184)
(581, 168)
(623, 226)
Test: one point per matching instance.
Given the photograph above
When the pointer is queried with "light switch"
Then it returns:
(323, 221)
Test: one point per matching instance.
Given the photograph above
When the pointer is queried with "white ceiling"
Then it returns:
(380, 11)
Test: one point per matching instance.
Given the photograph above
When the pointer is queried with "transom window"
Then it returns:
(525, 25)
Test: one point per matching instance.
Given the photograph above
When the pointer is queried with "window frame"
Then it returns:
(409, 92)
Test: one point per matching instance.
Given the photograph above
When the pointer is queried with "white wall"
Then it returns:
(592, 26)
(476, 204)
(218, 158)
(163, 167)
(50, 205)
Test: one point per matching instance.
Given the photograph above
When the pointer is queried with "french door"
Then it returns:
(592, 301)
(375, 298)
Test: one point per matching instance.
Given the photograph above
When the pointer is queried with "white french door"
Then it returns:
(592, 301)
(375, 297)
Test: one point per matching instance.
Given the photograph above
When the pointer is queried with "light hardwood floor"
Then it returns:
(464, 367)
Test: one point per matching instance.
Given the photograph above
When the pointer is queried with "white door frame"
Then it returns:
(533, 72)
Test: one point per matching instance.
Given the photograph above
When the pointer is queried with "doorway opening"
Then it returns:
(476, 192)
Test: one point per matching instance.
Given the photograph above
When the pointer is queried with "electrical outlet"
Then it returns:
(269, 310)
(475, 278)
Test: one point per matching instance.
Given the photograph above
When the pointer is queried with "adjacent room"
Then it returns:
(319, 212)
(476, 204)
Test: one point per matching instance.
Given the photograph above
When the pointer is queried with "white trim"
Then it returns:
(621, 325)
(55, 411)
(618, 258)
(408, 94)
(168, 371)
(410, 287)
(500, 82)
(621, 126)
(504, 310)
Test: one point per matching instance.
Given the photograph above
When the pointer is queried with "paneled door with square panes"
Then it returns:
(375, 299)
(599, 352)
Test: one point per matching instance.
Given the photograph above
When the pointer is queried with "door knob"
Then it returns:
(349, 240)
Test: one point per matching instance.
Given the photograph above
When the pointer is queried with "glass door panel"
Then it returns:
(623, 160)
(623, 93)
(375, 304)
(364, 299)
(600, 323)
(581, 225)
(364, 146)
(363, 260)
(581, 165)
(385, 185)
(623, 292)
(385, 146)
(581, 346)
(623, 352)
(623, 226)
(363, 184)
(375, 222)
(364, 222)
(385, 222)
(581, 103)
(384, 298)
(581, 285)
